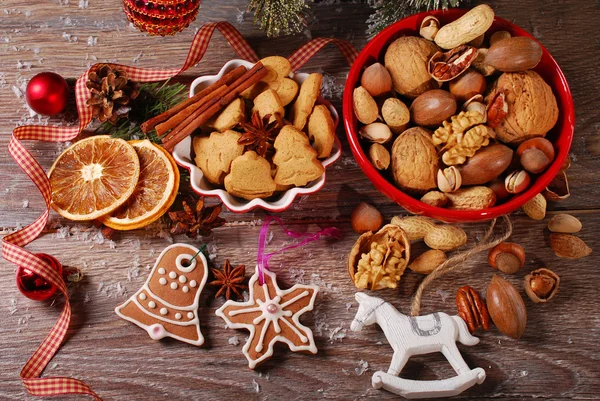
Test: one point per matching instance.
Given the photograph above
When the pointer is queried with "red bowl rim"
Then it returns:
(413, 205)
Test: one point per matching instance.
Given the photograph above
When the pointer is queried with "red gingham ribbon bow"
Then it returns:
(13, 244)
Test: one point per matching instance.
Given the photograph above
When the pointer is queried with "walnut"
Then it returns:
(406, 59)
(462, 137)
(415, 161)
(532, 108)
(377, 261)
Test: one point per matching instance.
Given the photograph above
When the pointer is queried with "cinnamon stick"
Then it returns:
(184, 114)
(204, 113)
(226, 79)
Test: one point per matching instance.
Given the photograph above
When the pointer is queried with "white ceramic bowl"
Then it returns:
(279, 202)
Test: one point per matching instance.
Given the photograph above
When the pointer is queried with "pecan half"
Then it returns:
(446, 66)
(497, 109)
(472, 309)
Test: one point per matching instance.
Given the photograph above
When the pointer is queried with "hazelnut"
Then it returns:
(467, 85)
(506, 307)
(449, 179)
(507, 257)
(433, 107)
(541, 285)
(429, 27)
(365, 218)
(498, 36)
(499, 189)
(376, 132)
(536, 154)
(376, 80)
(517, 181)
(379, 156)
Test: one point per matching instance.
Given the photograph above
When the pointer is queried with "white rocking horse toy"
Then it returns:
(419, 335)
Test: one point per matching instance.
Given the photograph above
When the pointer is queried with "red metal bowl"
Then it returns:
(561, 135)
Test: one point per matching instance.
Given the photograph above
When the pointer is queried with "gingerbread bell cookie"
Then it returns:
(167, 304)
(271, 315)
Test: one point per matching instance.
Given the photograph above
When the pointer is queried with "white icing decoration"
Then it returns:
(162, 280)
(419, 335)
(272, 311)
(142, 296)
(192, 307)
(193, 283)
(184, 257)
(178, 316)
(161, 270)
(174, 285)
(182, 279)
(172, 275)
(163, 311)
(185, 289)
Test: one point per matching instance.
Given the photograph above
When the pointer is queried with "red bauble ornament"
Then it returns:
(33, 286)
(161, 17)
(47, 93)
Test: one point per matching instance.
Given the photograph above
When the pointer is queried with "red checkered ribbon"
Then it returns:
(13, 244)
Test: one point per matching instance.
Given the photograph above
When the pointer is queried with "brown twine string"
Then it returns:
(456, 263)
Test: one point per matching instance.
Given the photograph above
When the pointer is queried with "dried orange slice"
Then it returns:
(93, 177)
(155, 191)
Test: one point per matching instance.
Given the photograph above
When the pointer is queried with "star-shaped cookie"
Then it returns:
(272, 315)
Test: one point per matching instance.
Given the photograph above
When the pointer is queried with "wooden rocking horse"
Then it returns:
(419, 335)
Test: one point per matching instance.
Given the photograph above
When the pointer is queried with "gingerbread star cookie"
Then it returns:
(167, 304)
(272, 315)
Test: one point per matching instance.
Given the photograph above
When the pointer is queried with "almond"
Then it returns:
(569, 246)
(428, 261)
(472, 198)
(365, 107)
(445, 238)
(535, 207)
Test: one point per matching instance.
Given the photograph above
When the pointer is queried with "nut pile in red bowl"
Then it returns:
(458, 115)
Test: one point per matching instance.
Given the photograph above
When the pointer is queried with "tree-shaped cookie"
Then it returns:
(271, 315)
(295, 159)
(250, 177)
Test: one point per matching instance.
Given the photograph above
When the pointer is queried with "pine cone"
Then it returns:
(111, 92)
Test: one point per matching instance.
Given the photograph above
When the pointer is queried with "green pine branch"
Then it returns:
(278, 17)
(389, 11)
(154, 98)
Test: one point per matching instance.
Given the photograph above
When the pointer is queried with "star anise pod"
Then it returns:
(111, 92)
(259, 133)
(229, 280)
(196, 219)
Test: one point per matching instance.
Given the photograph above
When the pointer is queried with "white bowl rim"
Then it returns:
(182, 155)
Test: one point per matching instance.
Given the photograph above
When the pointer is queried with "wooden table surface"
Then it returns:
(557, 358)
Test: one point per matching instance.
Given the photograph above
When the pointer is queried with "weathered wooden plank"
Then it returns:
(556, 357)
